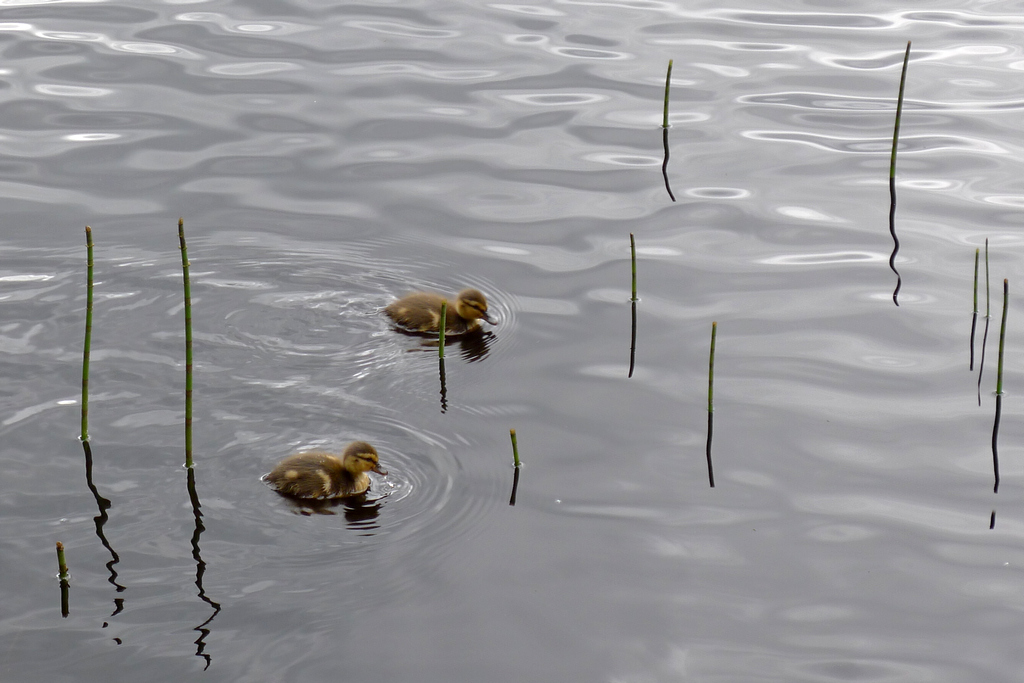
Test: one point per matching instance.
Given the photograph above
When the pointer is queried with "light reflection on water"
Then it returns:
(329, 159)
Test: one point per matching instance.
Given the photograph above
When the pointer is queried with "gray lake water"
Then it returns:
(328, 157)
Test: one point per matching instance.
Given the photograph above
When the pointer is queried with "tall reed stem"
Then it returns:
(711, 370)
(668, 84)
(899, 114)
(88, 335)
(1002, 337)
(988, 297)
(632, 252)
(188, 343)
(974, 318)
(977, 253)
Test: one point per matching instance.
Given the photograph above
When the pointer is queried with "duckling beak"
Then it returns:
(489, 319)
(379, 470)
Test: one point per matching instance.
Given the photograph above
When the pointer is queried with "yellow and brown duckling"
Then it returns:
(316, 474)
(421, 312)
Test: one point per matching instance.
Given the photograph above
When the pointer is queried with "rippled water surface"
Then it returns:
(328, 157)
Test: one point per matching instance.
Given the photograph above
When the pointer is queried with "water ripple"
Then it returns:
(808, 19)
(396, 29)
(909, 144)
(835, 102)
(825, 258)
(557, 99)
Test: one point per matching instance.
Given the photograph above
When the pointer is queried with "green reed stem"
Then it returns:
(668, 83)
(188, 343)
(88, 335)
(988, 298)
(632, 253)
(441, 325)
(62, 565)
(1002, 337)
(899, 114)
(711, 370)
(977, 253)
(515, 448)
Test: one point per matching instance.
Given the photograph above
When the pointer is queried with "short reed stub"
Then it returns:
(515, 448)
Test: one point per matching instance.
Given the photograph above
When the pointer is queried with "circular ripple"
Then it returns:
(426, 504)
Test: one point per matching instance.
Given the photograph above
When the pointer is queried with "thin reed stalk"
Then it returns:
(711, 369)
(899, 114)
(668, 85)
(974, 318)
(87, 346)
(441, 329)
(632, 252)
(892, 181)
(977, 254)
(188, 343)
(988, 297)
(1002, 337)
(988, 320)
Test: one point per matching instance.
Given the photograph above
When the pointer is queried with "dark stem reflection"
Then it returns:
(974, 328)
(995, 439)
(197, 513)
(632, 342)
(100, 521)
(65, 601)
(515, 487)
(444, 387)
(895, 240)
(711, 429)
(664, 164)
(472, 346)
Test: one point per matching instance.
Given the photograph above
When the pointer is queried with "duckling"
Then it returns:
(316, 474)
(421, 312)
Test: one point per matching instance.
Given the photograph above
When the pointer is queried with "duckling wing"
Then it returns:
(305, 475)
(420, 311)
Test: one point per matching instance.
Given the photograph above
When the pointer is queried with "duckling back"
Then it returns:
(421, 312)
(315, 474)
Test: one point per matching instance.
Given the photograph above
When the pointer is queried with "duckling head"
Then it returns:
(361, 457)
(471, 304)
